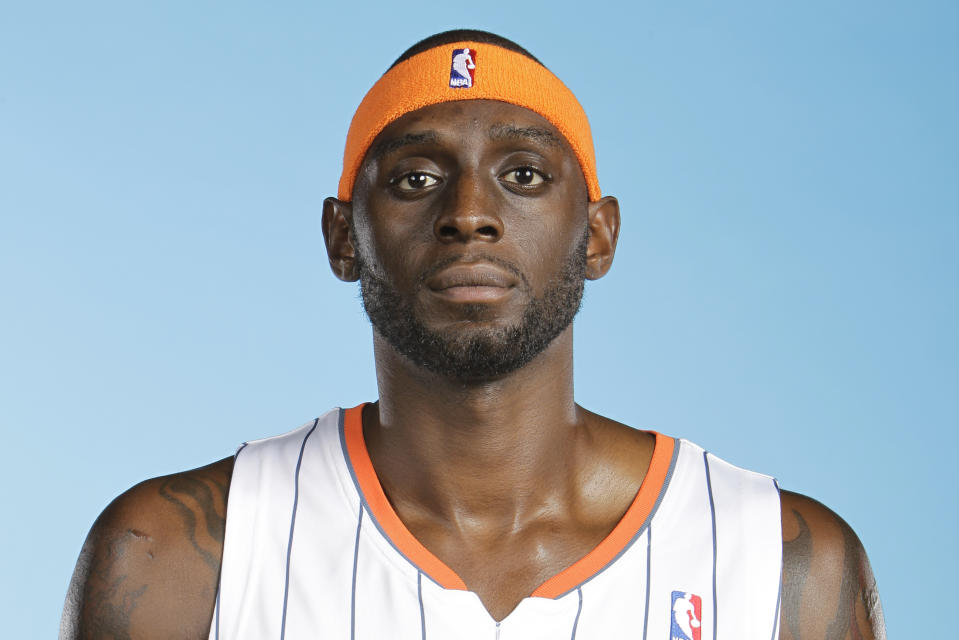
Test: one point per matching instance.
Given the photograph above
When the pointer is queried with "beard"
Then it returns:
(476, 354)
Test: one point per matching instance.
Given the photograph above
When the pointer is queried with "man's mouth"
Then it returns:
(472, 282)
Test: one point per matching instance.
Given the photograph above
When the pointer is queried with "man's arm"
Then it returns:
(829, 592)
(150, 564)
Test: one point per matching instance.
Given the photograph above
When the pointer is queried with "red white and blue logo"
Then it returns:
(687, 616)
(463, 68)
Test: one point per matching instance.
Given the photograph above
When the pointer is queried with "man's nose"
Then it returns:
(470, 213)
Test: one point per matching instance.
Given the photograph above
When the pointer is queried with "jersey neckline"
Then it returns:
(611, 547)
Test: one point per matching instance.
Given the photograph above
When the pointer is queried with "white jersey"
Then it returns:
(313, 549)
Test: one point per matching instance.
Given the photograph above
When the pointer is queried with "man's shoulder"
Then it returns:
(151, 560)
(828, 589)
(153, 503)
(180, 511)
(812, 532)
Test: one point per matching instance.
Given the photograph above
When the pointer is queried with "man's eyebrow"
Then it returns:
(537, 134)
(390, 145)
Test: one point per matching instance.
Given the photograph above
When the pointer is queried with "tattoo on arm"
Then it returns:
(181, 491)
(799, 554)
(845, 617)
(854, 611)
(111, 595)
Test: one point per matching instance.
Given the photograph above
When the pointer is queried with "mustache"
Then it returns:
(474, 257)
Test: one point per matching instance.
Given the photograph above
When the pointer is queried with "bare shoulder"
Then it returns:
(828, 587)
(150, 564)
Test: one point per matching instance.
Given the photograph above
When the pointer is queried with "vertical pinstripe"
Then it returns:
(712, 515)
(779, 599)
(579, 610)
(419, 595)
(356, 557)
(649, 557)
(289, 544)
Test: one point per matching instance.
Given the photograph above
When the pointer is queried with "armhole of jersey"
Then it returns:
(748, 531)
(777, 616)
(215, 622)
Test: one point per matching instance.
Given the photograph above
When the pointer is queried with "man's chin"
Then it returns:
(485, 331)
(463, 353)
(442, 316)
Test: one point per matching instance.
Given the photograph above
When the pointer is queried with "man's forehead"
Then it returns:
(500, 131)
(498, 120)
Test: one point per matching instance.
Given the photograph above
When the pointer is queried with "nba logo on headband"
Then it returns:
(462, 68)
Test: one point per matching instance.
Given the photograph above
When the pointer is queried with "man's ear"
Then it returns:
(603, 234)
(339, 241)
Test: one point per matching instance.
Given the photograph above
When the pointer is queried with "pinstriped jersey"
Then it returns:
(313, 549)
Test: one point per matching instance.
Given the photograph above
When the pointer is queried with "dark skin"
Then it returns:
(506, 480)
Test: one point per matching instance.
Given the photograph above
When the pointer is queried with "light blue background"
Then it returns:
(786, 291)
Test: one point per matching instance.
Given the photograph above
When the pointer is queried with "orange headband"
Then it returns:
(484, 72)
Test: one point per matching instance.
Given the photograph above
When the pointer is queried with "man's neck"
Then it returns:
(499, 450)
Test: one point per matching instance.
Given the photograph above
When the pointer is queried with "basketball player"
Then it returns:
(474, 499)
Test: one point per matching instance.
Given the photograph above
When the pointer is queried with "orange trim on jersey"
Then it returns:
(566, 580)
(383, 511)
(624, 532)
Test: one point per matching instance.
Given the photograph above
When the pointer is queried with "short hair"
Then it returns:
(459, 35)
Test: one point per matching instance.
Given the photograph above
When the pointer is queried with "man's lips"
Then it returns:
(472, 282)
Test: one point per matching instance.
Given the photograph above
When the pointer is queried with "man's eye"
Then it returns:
(524, 176)
(415, 181)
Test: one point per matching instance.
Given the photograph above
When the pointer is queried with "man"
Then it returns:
(474, 499)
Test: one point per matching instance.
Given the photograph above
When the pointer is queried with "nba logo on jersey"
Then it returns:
(462, 68)
(687, 615)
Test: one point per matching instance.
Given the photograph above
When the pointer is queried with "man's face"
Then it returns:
(470, 224)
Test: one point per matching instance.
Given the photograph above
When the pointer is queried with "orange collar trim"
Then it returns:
(563, 582)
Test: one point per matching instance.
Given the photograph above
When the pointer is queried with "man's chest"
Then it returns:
(502, 569)
(312, 550)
